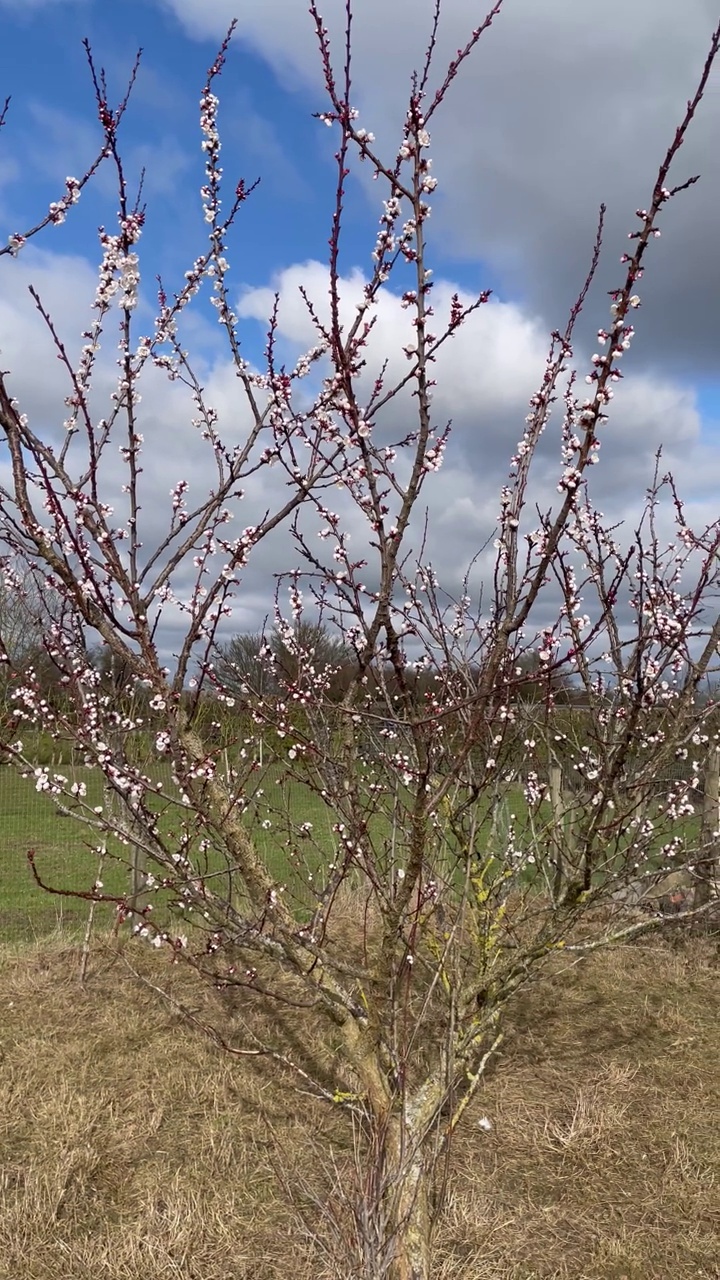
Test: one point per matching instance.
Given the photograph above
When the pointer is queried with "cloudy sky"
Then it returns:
(563, 105)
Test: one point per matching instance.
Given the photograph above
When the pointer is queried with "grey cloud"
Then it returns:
(562, 106)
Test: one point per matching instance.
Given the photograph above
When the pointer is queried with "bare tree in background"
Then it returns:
(256, 663)
(240, 668)
(455, 909)
(24, 605)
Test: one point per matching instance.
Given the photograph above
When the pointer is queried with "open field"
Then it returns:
(130, 1147)
(67, 859)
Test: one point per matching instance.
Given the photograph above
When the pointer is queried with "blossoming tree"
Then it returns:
(463, 895)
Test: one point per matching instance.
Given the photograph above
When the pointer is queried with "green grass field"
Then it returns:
(67, 857)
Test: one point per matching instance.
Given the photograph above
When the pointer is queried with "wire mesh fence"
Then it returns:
(71, 856)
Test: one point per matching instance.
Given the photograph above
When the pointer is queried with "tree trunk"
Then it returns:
(411, 1222)
(401, 1208)
(394, 1212)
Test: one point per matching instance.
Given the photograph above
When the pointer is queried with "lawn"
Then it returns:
(30, 820)
(66, 848)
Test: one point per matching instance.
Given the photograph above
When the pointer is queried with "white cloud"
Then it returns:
(66, 286)
(487, 372)
(485, 377)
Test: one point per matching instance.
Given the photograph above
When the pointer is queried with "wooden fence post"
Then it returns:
(120, 811)
(707, 866)
(560, 833)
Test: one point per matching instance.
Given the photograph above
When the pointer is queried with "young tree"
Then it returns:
(459, 910)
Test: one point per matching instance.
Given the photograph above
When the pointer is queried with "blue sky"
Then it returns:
(265, 136)
(269, 92)
(559, 109)
(268, 134)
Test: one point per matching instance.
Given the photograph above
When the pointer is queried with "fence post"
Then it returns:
(707, 868)
(120, 811)
(559, 833)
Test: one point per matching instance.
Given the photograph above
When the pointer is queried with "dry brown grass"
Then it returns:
(131, 1148)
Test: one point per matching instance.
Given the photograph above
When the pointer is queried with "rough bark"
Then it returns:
(412, 1222)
